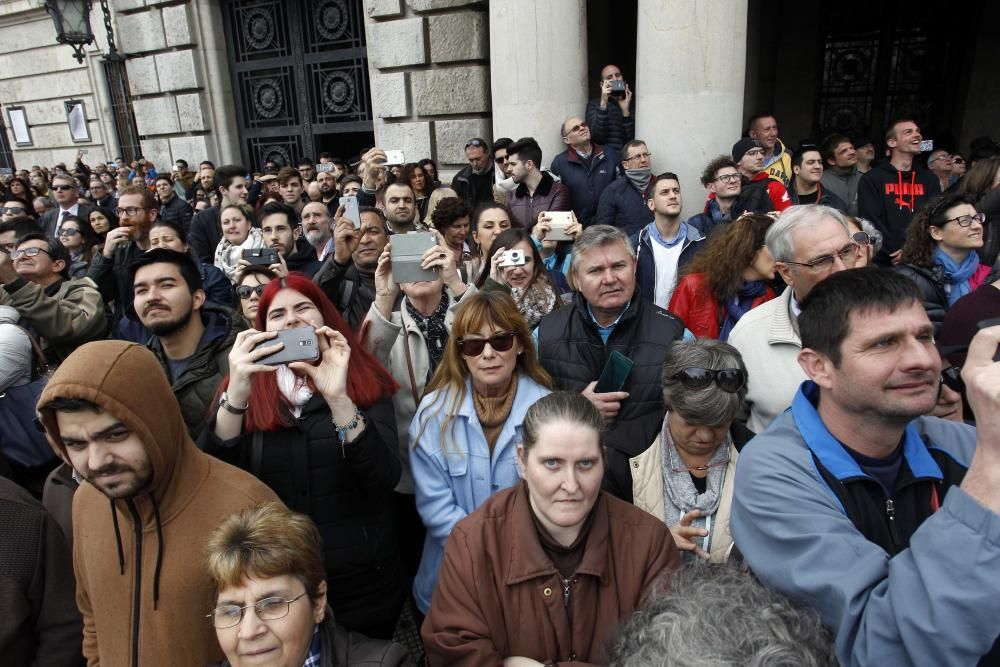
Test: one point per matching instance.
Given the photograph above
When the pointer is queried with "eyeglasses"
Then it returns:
(576, 128)
(475, 142)
(244, 291)
(68, 231)
(131, 211)
(966, 220)
(943, 156)
(862, 238)
(269, 609)
(728, 178)
(500, 159)
(473, 347)
(755, 152)
(729, 380)
(63, 187)
(638, 156)
(848, 255)
(13, 210)
(29, 252)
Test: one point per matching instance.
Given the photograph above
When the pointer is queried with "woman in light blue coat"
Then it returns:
(465, 431)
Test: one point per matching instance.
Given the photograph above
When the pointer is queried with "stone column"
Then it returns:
(689, 85)
(538, 68)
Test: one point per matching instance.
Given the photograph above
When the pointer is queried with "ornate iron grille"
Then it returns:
(299, 70)
(121, 106)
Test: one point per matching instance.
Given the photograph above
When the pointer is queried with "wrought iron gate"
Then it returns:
(121, 106)
(299, 70)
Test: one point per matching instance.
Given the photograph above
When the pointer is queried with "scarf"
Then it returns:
(739, 304)
(679, 494)
(639, 178)
(228, 256)
(535, 301)
(957, 276)
(493, 411)
(433, 329)
(294, 388)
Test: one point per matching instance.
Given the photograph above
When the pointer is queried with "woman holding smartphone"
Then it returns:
(237, 235)
(322, 435)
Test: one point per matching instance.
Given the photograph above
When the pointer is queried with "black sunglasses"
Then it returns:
(473, 347)
(244, 291)
(63, 187)
(729, 380)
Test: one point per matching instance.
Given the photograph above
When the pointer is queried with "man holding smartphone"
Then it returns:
(610, 117)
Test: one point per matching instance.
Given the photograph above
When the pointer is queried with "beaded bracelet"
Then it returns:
(343, 430)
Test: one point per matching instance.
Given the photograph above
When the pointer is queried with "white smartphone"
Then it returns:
(560, 220)
(394, 157)
(351, 210)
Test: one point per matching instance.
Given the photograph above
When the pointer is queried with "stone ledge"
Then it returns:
(157, 115)
(389, 98)
(142, 78)
(191, 112)
(382, 9)
(177, 70)
(397, 43)
(458, 36)
(458, 90)
(177, 25)
(432, 5)
(141, 32)
(413, 138)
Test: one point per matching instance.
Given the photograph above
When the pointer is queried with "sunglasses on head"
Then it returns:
(244, 291)
(475, 142)
(729, 380)
(473, 347)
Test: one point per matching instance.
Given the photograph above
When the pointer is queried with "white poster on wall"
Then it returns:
(78, 129)
(19, 126)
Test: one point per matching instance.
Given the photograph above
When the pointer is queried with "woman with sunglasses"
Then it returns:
(171, 235)
(253, 279)
(685, 478)
(322, 435)
(544, 573)
(464, 432)
(940, 253)
(272, 611)
(727, 278)
(78, 237)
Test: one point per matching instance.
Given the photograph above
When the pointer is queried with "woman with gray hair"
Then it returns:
(685, 478)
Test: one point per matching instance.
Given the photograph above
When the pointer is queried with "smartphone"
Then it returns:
(560, 220)
(300, 345)
(324, 167)
(615, 373)
(407, 251)
(618, 88)
(927, 145)
(351, 209)
(394, 157)
(263, 256)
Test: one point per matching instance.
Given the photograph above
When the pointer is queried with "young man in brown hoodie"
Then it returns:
(142, 521)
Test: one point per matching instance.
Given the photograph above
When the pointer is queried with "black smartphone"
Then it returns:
(300, 345)
(618, 88)
(263, 256)
(615, 373)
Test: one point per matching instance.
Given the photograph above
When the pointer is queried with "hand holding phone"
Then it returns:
(261, 256)
(615, 373)
(300, 344)
(351, 210)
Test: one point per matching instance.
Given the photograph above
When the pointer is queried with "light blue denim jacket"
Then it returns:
(451, 483)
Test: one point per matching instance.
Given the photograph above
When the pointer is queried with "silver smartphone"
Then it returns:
(300, 345)
(394, 157)
(351, 210)
(558, 224)
(407, 250)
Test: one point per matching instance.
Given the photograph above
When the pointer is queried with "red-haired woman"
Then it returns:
(322, 435)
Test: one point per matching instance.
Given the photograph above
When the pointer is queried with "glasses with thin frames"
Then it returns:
(728, 178)
(28, 252)
(131, 211)
(473, 347)
(729, 380)
(639, 156)
(269, 609)
(848, 255)
(244, 291)
(576, 128)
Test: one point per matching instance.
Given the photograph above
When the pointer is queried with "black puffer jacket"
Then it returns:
(989, 205)
(571, 350)
(930, 282)
(347, 491)
(608, 126)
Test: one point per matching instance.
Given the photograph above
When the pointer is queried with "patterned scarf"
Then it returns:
(535, 301)
(679, 494)
(434, 331)
(227, 255)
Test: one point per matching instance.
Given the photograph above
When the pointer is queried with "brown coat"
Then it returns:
(192, 492)
(498, 594)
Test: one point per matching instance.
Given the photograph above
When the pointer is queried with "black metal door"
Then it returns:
(299, 72)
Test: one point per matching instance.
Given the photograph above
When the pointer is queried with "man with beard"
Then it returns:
(191, 338)
(400, 204)
(63, 313)
(317, 228)
(109, 270)
(475, 182)
(282, 232)
(109, 412)
(327, 184)
(348, 275)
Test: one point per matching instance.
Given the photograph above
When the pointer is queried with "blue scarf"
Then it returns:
(955, 275)
(738, 305)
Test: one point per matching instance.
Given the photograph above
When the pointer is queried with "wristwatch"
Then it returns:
(229, 407)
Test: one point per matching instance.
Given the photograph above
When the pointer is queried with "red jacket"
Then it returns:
(699, 309)
(775, 190)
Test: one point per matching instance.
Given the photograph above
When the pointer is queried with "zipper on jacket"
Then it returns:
(890, 513)
(567, 586)
(137, 594)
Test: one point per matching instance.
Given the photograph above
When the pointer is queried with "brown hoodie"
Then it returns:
(153, 614)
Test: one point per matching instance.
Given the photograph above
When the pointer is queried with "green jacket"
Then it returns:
(64, 315)
(196, 385)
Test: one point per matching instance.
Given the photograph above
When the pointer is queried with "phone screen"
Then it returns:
(615, 373)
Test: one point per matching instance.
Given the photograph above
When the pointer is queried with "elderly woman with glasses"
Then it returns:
(267, 565)
(940, 253)
(685, 478)
(464, 432)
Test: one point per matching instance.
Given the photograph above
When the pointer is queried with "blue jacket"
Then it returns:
(935, 602)
(622, 206)
(645, 272)
(586, 183)
(451, 483)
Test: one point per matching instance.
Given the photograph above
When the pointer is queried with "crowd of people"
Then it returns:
(574, 427)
